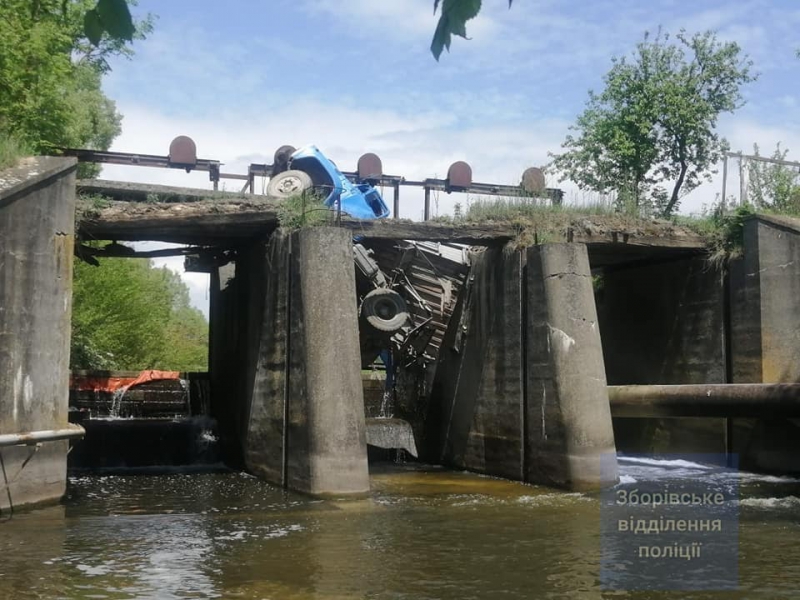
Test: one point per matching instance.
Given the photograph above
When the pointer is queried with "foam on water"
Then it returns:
(553, 498)
(663, 463)
(771, 503)
(635, 468)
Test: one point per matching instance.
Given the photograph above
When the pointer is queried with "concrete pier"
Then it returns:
(568, 418)
(306, 427)
(765, 337)
(37, 216)
(521, 389)
(765, 287)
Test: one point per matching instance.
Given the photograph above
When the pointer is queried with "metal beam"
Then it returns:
(121, 251)
(755, 400)
(144, 160)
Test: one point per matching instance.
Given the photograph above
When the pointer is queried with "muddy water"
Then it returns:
(422, 533)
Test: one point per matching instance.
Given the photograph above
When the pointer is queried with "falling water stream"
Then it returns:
(387, 405)
(423, 533)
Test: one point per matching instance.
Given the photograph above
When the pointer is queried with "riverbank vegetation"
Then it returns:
(51, 75)
(11, 150)
(128, 314)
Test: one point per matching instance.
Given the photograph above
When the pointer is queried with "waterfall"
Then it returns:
(387, 405)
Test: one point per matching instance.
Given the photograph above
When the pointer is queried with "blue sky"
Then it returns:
(243, 77)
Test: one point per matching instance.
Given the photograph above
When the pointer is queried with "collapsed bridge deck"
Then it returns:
(137, 212)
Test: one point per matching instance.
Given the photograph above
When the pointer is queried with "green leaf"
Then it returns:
(116, 18)
(453, 21)
(92, 27)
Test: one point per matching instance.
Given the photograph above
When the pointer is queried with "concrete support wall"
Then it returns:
(306, 410)
(479, 389)
(663, 323)
(569, 430)
(37, 216)
(765, 336)
(492, 415)
(765, 290)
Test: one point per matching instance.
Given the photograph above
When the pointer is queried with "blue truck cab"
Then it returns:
(357, 200)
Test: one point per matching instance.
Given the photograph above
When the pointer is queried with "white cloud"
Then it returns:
(396, 18)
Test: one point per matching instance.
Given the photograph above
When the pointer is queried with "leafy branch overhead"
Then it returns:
(453, 21)
(51, 72)
(111, 17)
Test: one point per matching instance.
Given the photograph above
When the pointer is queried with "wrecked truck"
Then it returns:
(383, 313)
(297, 171)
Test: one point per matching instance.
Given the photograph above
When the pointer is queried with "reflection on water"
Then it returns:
(423, 533)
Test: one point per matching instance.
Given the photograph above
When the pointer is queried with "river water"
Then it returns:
(423, 533)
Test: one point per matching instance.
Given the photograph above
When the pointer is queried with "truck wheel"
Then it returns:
(289, 184)
(385, 310)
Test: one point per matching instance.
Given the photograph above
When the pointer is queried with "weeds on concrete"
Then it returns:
(92, 203)
(502, 209)
(538, 221)
(303, 210)
(723, 231)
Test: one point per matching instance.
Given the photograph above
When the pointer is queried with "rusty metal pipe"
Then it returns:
(714, 400)
(47, 435)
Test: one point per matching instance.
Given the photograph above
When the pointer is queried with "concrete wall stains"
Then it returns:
(765, 336)
(569, 435)
(306, 425)
(37, 205)
(523, 395)
(765, 286)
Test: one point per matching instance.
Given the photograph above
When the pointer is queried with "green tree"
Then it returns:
(186, 333)
(129, 315)
(50, 75)
(653, 127)
(773, 185)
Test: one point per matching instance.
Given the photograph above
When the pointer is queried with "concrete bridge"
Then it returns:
(538, 328)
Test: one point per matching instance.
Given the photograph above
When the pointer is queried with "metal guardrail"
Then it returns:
(45, 435)
(183, 155)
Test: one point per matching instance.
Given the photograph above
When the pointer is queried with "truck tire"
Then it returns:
(385, 310)
(289, 184)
